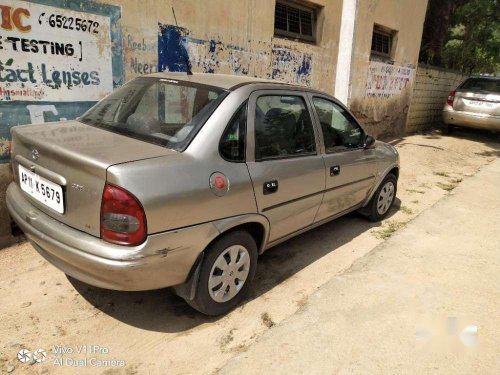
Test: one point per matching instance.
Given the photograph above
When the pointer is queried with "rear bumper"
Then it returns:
(163, 260)
(471, 120)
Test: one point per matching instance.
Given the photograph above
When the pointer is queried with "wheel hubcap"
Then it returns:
(385, 198)
(229, 273)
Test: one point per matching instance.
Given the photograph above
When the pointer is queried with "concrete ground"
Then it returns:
(156, 332)
(425, 301)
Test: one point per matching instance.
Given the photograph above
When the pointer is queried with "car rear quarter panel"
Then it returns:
(175, 190)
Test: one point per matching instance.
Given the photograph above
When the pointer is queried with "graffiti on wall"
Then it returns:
(386, 80)
(213, 55)
(286, 62)
(141, 54)
(57, 58)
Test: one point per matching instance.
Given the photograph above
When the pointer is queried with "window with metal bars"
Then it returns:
(294, 21)
(381, 43)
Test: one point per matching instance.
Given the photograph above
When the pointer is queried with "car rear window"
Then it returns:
(161, 111)
(482, 84)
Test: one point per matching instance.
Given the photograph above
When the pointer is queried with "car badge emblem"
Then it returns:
(219, 184)
(35, 154)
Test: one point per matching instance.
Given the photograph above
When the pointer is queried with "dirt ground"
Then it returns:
(156, 332)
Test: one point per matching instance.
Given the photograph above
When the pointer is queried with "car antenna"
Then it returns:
(186, 56)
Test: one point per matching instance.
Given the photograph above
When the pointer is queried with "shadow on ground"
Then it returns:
(162, 311)
(486, 137)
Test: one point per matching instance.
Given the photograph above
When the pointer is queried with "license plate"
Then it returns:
(41, 189)
(479, 104)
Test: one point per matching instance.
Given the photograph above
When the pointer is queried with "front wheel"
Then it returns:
(383, 199)
(226, 273)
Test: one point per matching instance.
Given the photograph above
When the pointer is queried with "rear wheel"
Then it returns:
(383, 199)
(226, 273)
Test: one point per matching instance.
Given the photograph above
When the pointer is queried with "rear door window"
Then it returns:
(283, 127)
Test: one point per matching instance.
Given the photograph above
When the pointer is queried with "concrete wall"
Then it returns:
(383, 107)
(431, 88)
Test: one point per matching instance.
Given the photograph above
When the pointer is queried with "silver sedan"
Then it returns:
(183, 180)
(474, 104)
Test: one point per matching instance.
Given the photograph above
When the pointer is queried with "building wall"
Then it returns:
(380, 95)
(230, 37)
(430, 91)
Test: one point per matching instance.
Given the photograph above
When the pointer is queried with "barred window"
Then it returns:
(381, 42)
(294, 21)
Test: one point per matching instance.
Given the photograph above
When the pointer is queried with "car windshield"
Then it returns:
(162, 111)
(482, 84)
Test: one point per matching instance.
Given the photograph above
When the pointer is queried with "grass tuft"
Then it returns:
(415, 191)
(389, 230)
(442, 174)
(406, 210)
(447, 187)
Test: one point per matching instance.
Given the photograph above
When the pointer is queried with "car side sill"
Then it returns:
(312, 226)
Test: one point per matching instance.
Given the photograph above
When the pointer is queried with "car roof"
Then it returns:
(224, 81)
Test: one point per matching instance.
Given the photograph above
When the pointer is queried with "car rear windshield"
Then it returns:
(482, 84)
(161, 111)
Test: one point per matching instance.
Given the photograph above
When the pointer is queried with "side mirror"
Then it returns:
(369, 141)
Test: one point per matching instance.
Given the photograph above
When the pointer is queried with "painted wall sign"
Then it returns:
(51, 54)
(386, 80)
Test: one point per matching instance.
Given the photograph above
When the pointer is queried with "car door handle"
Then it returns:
(270, 187)
(335, 170)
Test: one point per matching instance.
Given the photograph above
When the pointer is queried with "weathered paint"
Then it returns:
(172, 52)
(41, 98)
(54, 54)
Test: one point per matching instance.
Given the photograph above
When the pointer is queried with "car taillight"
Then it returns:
(123, 220)
(451, 97)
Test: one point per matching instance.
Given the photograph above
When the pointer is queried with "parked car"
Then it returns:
(183, 180)
(474, 104)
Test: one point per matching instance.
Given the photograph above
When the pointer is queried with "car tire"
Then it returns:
(449, 129)
(380, 205)
(218, 290)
